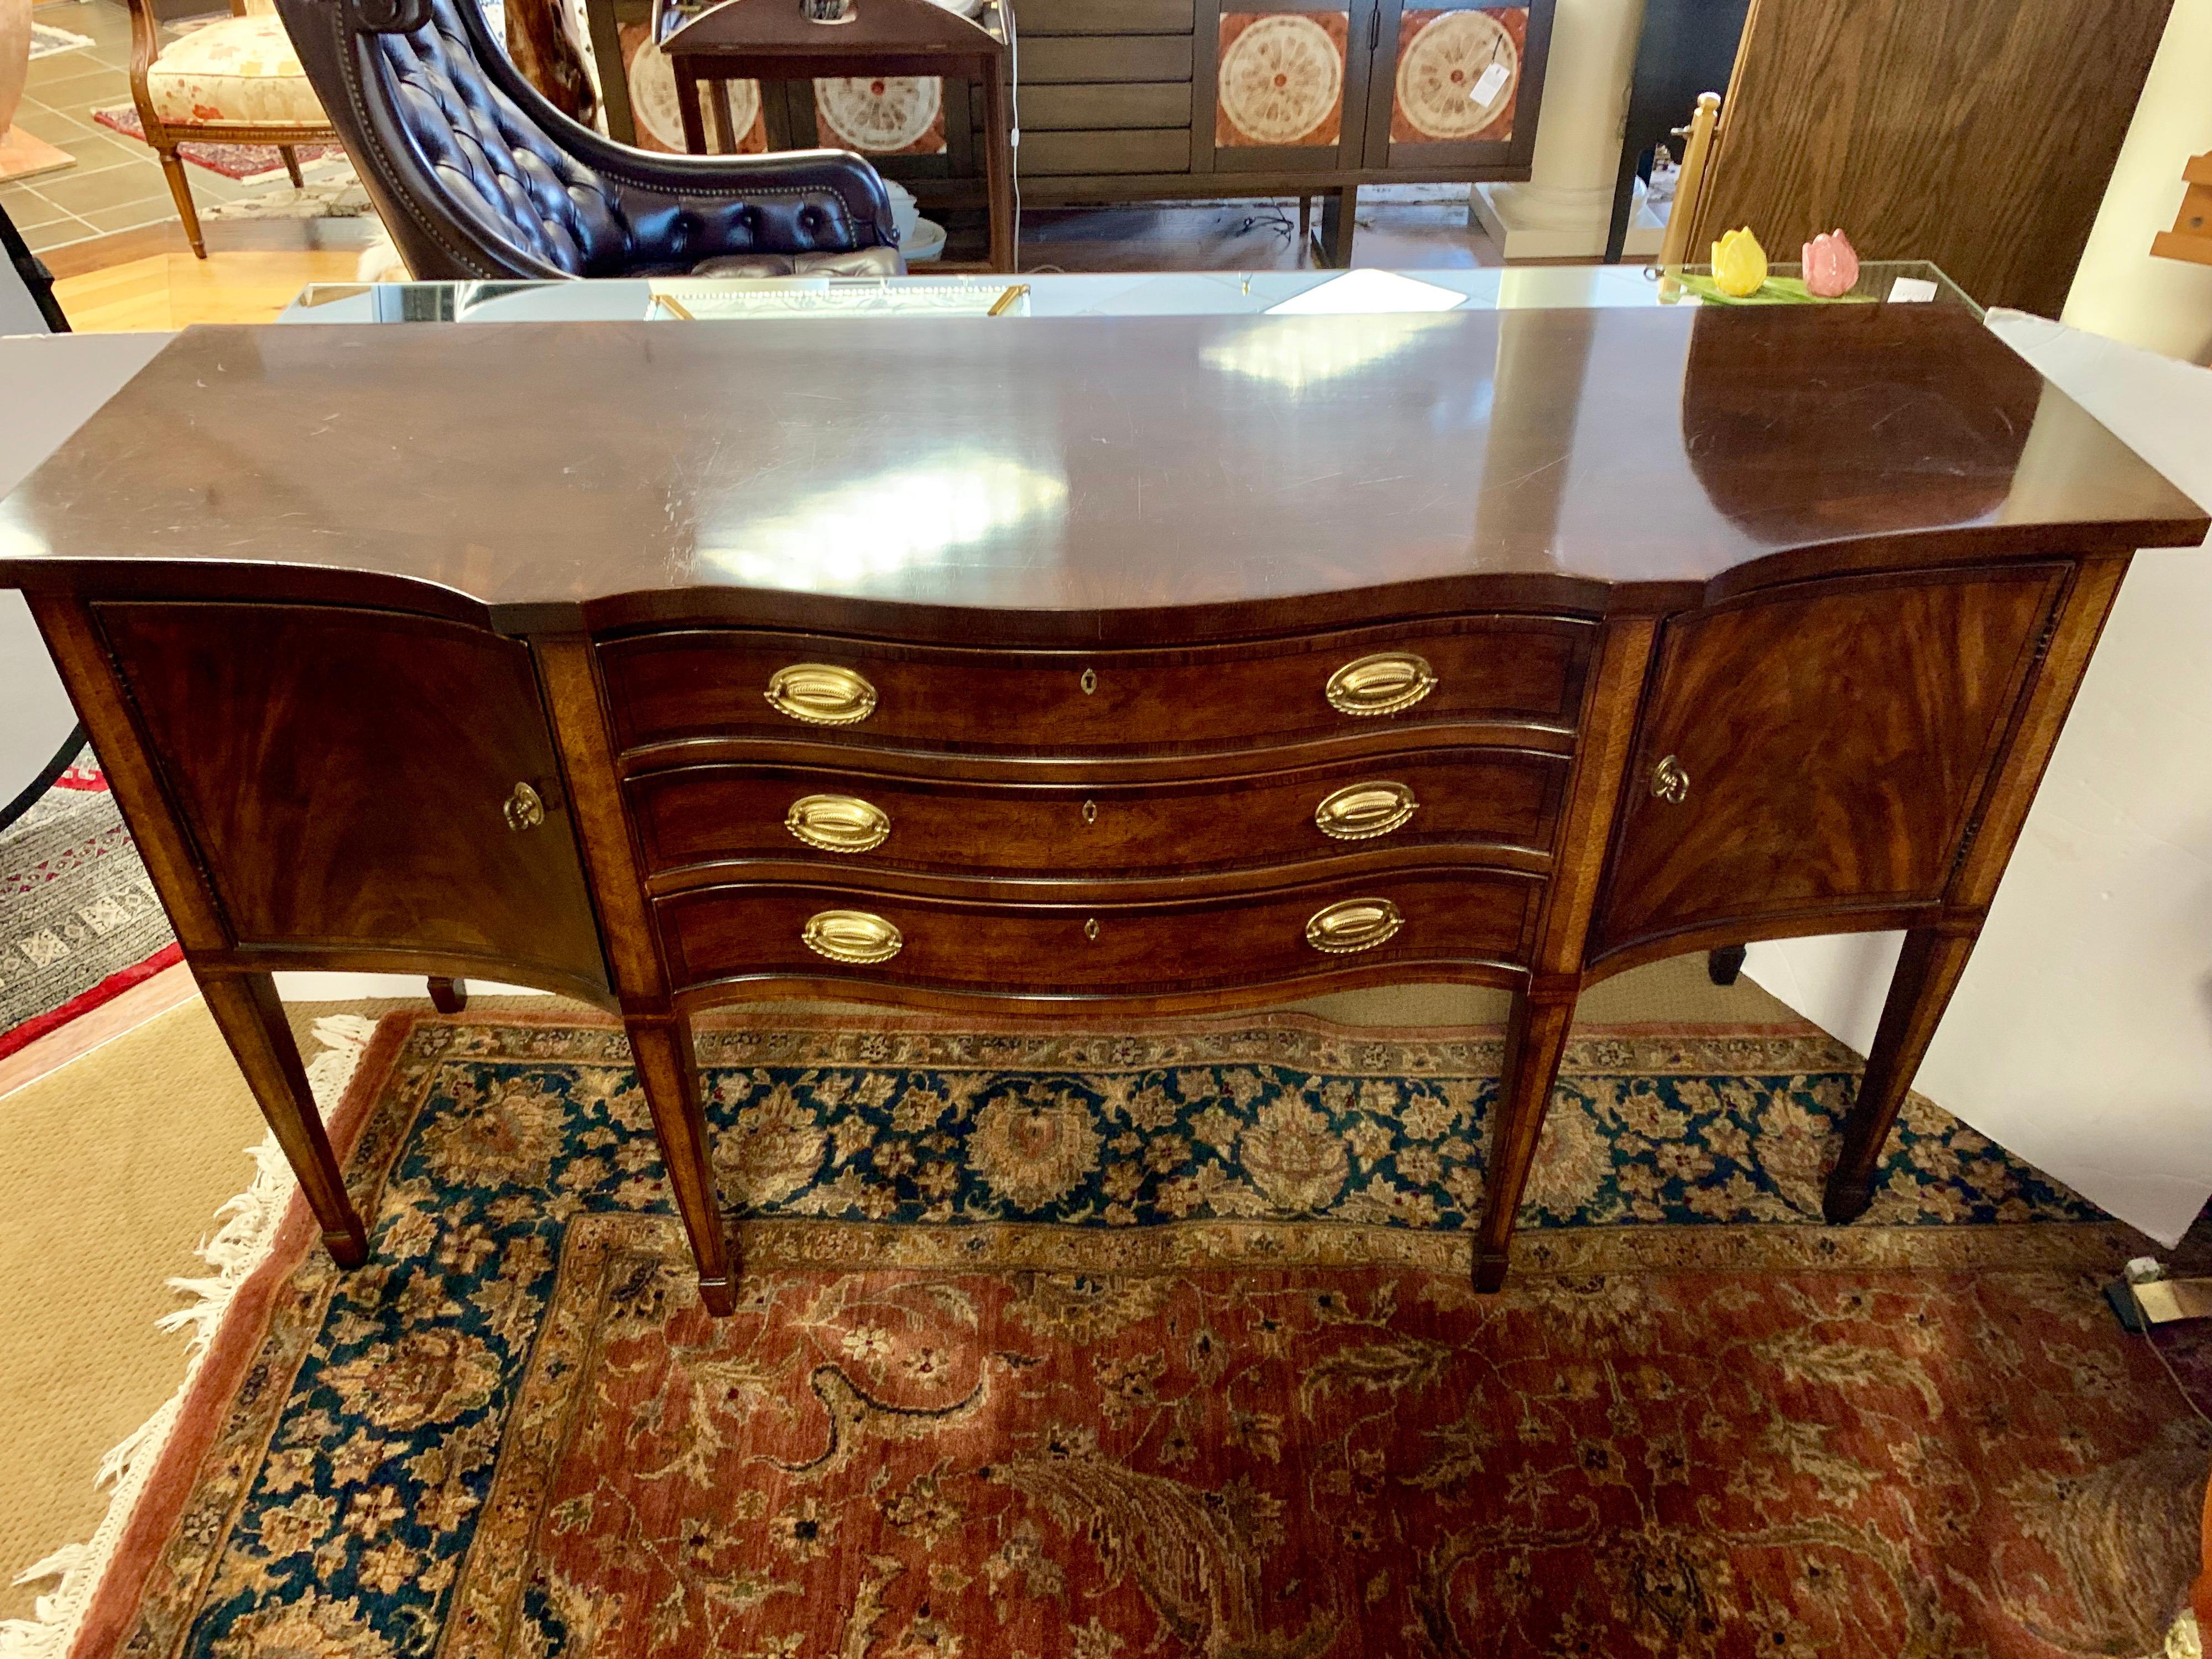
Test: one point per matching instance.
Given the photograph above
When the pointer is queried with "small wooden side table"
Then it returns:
(775, 41)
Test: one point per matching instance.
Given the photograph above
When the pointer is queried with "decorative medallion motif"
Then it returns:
(882, 115)
(1281, 80)
(1460, 72)
(659, 115)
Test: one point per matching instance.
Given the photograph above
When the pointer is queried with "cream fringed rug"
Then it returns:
(1159, 1341)
(245, 1229)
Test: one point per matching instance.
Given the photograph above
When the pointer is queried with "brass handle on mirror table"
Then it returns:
(1351, 924)
(1669, 782)
(1361, 811)
(1384, 683)
(857, 936)
(524, 808)
(838, 823)
(821, 693)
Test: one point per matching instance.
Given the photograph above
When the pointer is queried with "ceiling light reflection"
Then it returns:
(1298, 355)
(848, 538)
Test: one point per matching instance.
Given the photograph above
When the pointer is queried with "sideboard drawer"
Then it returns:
(1405, 921)
(695, 683)
(697, 815)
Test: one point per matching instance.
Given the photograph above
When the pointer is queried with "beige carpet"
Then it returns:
(117, 1162)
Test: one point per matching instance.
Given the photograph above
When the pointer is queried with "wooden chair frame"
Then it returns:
(164, 136)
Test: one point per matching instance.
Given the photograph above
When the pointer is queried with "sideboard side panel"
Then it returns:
(1830, 742)
(343, 775)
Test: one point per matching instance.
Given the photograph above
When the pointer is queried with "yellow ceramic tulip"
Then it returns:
(1739, 264)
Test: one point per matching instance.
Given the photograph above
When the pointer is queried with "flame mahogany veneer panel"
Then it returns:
(341, 776)
(1836, 737)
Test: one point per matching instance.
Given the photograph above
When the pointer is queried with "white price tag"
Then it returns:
(1906, 289)
(1488, 83)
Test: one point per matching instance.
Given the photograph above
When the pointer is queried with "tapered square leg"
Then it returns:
(251, 1020)
(1927, 973)
(1535, 1040)
(669, 1074)
(449, 996)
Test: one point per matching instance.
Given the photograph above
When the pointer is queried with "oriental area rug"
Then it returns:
(79, 923)
(1161, 1343)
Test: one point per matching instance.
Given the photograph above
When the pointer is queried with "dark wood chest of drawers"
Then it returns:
(1098, 703)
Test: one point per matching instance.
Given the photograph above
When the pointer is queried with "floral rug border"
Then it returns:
(205, 1475)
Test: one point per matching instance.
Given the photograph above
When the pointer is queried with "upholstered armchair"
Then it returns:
(477, 175)
(236, 81)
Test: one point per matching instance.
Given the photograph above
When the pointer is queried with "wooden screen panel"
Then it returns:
(1980, 134)
(1080, 60)
(342, 775)
(1833, 740)
(1134, 105)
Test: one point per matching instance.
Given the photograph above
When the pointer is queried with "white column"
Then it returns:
(1562, 211)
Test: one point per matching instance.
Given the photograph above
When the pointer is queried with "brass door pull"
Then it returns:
(1350, 925)
(1669, 782)
(838, 823)
(821, 693)
(1362, 812)
(851, 936)
(1383, 683)
(524, 809)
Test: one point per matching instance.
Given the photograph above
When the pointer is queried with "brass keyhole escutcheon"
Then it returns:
(1669, 782)
(1090, 811)
(1089, 682)
(1090, 929)
(524, 808)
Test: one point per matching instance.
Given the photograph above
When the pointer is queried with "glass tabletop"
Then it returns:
(1367, 292)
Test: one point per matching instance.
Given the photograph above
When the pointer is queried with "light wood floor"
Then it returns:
(174, 290)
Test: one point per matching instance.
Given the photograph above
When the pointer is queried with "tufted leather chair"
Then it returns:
(476, 174)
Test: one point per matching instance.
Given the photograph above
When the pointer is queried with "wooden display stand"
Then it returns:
(773, 40)
(2191, 236)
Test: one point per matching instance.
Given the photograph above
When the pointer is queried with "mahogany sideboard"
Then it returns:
(1103, 664)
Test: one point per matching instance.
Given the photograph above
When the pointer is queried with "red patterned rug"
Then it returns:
(231, 161)
(79, 923)
(1161, 1343)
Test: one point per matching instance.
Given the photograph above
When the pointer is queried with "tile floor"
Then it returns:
(115, 185)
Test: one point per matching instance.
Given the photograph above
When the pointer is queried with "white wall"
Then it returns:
(2121, 290)
(2080, 1037)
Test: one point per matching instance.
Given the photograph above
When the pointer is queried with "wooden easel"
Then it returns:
(2192, 235)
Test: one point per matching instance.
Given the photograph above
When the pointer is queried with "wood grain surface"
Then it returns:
(1059, 473)
(1979, 134)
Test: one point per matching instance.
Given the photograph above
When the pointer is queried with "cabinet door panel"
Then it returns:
(1282, 84)
(1457, 83)
(344, 774)
(1829, 744)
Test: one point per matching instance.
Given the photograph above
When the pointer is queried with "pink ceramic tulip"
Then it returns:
(1832, 265)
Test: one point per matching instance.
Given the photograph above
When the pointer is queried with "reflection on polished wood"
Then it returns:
(1133, 664)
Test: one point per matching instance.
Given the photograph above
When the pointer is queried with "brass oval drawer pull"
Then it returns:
(1381, 685)
(524, 809)
(1361, 811)
(851, 936)
(821, 693)
(838, 823)
(1350, 925)
(1669, 781)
